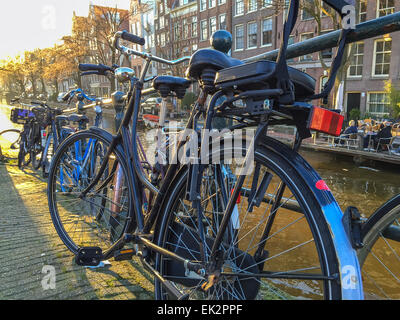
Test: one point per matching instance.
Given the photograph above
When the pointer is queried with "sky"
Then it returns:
(30, 24)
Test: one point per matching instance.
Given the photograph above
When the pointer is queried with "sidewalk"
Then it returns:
(28, 242)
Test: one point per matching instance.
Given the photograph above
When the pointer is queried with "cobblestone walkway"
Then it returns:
(29, 242)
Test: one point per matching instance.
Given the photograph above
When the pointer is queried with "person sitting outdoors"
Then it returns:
(351, 130)
(385, 133)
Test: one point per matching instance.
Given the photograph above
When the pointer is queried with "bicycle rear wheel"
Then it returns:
(277, 244)
(380, 256)
(100, 218)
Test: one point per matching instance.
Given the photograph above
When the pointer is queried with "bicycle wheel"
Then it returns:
(36, 155)
(24, 155)
(274, 247)
(380, 256)
(9, 142)
(77, 220)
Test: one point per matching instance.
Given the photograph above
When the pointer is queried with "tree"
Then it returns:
(393, 90)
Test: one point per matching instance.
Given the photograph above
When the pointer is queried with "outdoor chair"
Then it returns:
(347, 140)
(385, 144)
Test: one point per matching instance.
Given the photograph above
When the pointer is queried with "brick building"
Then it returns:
(184, 26)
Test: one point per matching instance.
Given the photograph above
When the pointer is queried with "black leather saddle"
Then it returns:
(167, 84)
(73, 118)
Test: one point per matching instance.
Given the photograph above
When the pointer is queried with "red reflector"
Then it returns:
(239, 199)
(326, 121)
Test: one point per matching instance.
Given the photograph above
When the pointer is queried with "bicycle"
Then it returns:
(379, 256)
(192, 240)
(58, 131)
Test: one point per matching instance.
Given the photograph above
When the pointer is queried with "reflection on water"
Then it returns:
(366, 188)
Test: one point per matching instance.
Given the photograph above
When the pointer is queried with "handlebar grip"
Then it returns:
(101, 68)
(132, 38)
(88, 73)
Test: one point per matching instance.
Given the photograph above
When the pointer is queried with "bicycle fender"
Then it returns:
(350, 270)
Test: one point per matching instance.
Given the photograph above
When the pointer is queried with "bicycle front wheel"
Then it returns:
(276, 246)
(103, 215)
(380, 256)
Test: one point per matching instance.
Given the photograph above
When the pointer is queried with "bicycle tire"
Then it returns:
(380, 255)
(172, 235)
(10, 139)
(24, 156)
(36, 155)
(67, 209)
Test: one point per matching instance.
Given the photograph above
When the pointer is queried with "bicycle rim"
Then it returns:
(380, 256)
(102, 217)
(296, 260)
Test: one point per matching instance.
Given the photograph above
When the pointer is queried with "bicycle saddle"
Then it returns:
(166, 84)
(257, 75)
(209, 59)
(73, 118)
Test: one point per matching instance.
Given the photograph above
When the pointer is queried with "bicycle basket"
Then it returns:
(41, 116)
(21, 116)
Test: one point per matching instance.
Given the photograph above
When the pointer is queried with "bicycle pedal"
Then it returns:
(89, 257)
(212, 280)
(124, 255)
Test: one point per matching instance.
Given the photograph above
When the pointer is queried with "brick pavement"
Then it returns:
(29, 242)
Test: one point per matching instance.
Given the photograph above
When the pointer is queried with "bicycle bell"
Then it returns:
(124, 74)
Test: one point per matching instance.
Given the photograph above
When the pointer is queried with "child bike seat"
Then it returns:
(258, 75)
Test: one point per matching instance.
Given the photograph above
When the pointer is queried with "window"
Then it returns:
(239, 37)
(266, 39)
(185, 29)
(211, 3)
(162, 39)
(252, 35)
(385, 7)
(327, 53)
(326, 10)
(239, 7)
(305, 15)
(383, 50)
(252, 5)
(266, 3)
(194, 27)
(356, 64)
(303, 37)
(203, 5)
(378, 103)
(221, 1)
(161, 22)
(213, 25)
(362, 11)
(203, 30)
(222, 22)
(291, 41)
(177, 31)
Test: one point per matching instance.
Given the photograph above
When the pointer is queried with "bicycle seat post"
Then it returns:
(163, 112)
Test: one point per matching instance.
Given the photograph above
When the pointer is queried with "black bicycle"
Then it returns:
(248, 217)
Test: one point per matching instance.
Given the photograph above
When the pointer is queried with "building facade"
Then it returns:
(184, 26)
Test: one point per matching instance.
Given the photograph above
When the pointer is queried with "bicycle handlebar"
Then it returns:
(132, 38)
(100, 68)
(144, 55)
